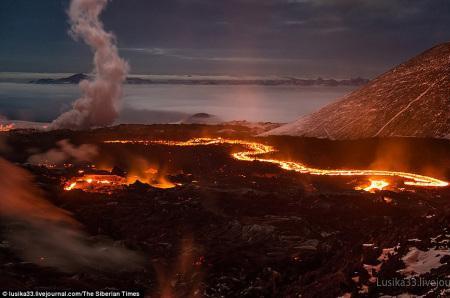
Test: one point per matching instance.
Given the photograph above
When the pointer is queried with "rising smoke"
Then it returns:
(44, 234)
(66, 151)
(98, 105)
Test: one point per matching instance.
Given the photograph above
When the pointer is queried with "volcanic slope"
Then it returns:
(411, 100)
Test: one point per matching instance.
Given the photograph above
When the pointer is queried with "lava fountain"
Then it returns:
(254, 152)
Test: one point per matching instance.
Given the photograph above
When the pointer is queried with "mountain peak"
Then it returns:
(410, 100)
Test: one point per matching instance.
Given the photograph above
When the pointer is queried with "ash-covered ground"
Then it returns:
(243, 229)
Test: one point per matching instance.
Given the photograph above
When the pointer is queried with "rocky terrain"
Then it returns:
(411, 100)
(244, 229)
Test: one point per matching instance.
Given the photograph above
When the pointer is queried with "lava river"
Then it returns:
(255, 151)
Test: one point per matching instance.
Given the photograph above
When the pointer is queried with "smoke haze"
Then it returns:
(44, 234)
(98, 104)
(65, 152)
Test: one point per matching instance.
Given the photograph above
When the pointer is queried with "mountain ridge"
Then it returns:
(281, 81)
(410, 100)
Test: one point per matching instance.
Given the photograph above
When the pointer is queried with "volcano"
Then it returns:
(173, 210)
(411, 100)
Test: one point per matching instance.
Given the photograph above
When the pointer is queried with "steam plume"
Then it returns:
(46, 235)
(65, 152)
(98, 105)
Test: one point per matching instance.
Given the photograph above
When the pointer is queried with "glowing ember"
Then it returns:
(255, 150)
(375, 185)
(6, 127)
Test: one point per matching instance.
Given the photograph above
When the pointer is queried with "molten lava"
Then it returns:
(70, 186)
(163, 183)
(375, 185)
(6, 127)
(95, 183)
(254, 151)
(107, 183)
(160, 182)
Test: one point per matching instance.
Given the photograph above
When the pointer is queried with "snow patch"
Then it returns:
(419, 262)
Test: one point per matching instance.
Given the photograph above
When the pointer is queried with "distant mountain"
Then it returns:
(211, 80)
(411, 100)
(202, 118)
(73, 79)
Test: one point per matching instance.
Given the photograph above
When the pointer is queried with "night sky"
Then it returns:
(310, 38)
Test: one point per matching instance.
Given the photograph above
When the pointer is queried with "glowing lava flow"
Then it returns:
(6, 127)
(255, 150)
(107, 183)
(95, 183)
(375, 185)
(70, 186)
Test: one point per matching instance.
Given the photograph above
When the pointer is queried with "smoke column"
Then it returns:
(98, 105)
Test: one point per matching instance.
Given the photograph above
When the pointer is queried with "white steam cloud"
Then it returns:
(98, 105)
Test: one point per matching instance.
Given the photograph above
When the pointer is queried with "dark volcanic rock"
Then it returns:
(410, 100)
(239, 229)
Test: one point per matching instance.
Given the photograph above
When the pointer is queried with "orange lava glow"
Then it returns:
(95, 183)
(158, 183)
(70, 186)
(108, 183)
(254, 151)
(6, 127)
(375, 185)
